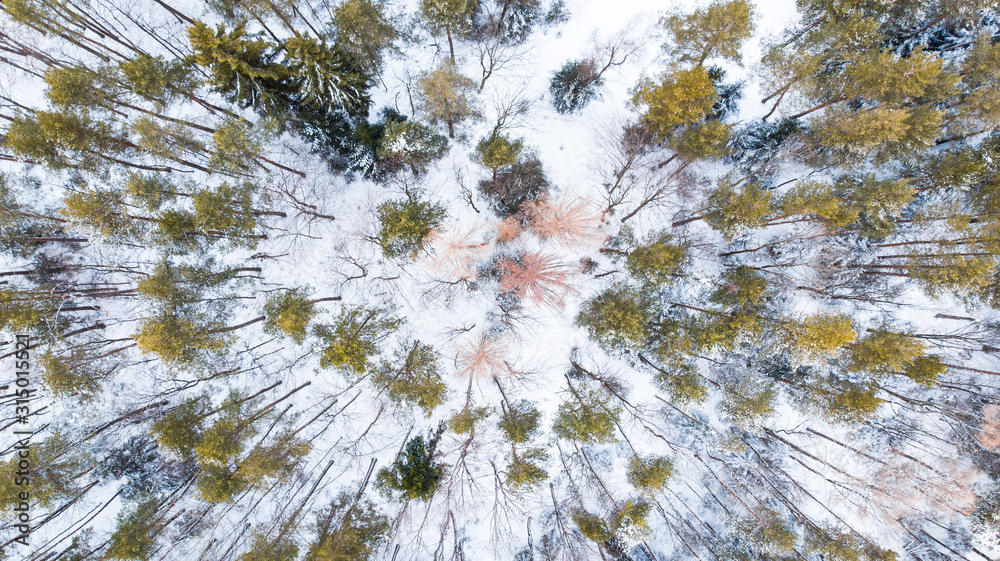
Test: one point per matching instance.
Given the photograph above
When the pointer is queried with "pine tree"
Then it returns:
(412, 377)
(20, 312)
(365, 30)
(74, 374)
(682, 381)
(276, 461)
(135, 536)
(520, 421)
(769, 532)
(747, 402)
(591, 526)
(237, 144)
(961, 275)
(716, 31)
(227, 210)
(452, 16)
(702, 140)
(465, 421)
(819, 201)
(77, 87)
(820, 335)
(586, 417)
(925, 370)
(733, 211)
(848, 401)
(877, 202)
(444, 94)
(66, 139)
(289, 313)
(218, 483)
(174, 286)
(881, 133)
(627, 523)
(157, 79)
(222, 442)
(354, 338)
(882, 351)
(523, 469)
(359, 532)
(180, 339)
(264, 549)
(219, 447)
(405, 224)
(649, 474)
(180, 429)
(104, 212)
(55, 465)
(176, 232)
(497, 151)
(415, 473)
(679, 98)
(835, 545)
(742, 289)
(616, 318)
(658, 262)
(629, 520)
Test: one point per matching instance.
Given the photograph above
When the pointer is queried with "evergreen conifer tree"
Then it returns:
(586, 417)
(404, 224)
(289, 313)
(412, 377)
(617, 318)
(354, 338)
(445, 94)
(415, 473)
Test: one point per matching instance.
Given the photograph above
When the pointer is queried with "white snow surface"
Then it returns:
(329, 256)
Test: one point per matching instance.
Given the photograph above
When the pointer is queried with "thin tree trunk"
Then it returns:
(451, 48)
(685, 221)
(240, 326)
(327, 299)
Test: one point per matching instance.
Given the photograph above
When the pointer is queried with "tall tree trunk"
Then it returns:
(451, 48)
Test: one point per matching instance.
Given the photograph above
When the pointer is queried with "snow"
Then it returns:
(329, 256)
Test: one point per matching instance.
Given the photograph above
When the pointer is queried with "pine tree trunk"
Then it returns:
(98, 325)
(240, 326)
(328, 299)
(685, 221)
(451, 48)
